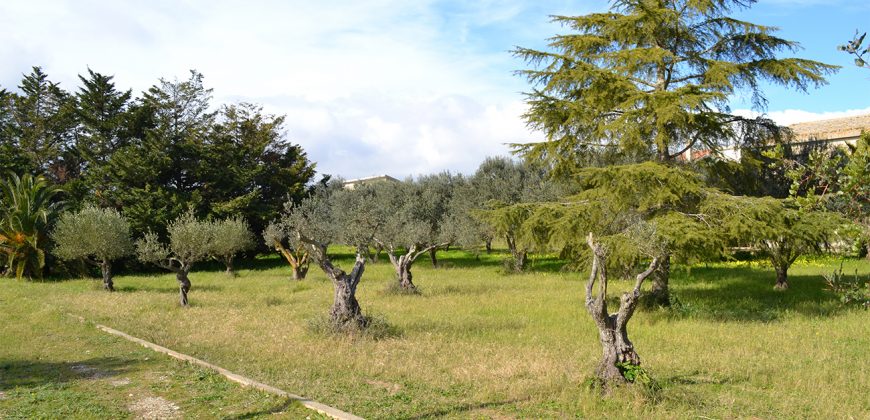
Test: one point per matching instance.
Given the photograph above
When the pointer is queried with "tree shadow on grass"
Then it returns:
(747, 294)
(169, 289)
(30, 374)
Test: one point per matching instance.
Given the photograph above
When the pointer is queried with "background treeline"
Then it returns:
(153, 156)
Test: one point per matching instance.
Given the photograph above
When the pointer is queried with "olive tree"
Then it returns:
(624, 217)
(189, 242)
(96, 235)
(411, 216)
(229, 237)
(276, 235)
(498, 184)
(328, 216)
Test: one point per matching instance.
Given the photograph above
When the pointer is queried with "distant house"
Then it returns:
(352, 183)
(834, 132)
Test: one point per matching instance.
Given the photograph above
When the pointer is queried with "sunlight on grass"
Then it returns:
(477, 343)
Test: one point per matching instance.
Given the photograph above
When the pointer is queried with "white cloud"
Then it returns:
(381, 86)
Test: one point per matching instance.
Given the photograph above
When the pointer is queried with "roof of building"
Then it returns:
(831, 129)
(371, 178)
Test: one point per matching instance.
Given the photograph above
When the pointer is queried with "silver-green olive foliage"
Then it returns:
(100, 234)
(190, 241)
(498, 182)
(230, 236)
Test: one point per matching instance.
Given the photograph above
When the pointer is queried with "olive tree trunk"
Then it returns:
(612, 328)
(298, 260)
(433, 256)
(106, 268)
(183, 283)
(299, 272)
(228, 262)
(402, 263)
(181, 271)
(488, 246)
(345, 311)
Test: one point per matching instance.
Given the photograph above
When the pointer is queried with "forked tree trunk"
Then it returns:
(299, 272)
(660, 294)
(298, 260)
(106, 268)
(402, 263)
(403, 272)
(345, 312)
(612, 328)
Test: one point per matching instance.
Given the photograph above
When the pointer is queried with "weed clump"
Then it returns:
(374, 327)
(394, 288)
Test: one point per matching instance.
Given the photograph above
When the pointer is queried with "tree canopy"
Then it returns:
(651, 79)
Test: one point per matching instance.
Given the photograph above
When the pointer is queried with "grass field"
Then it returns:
(476, 344)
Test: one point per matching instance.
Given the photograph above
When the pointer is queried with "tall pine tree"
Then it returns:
(651, 79)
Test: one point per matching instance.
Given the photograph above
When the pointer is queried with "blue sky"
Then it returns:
(373, 86)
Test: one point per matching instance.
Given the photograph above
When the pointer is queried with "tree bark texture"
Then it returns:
(518, 256)
(433, 256)
(345, 311)
(660, 294)
(612, 328)
(106, 268)
(781, 277)
(183, 283)
(299, 260)
(402, 263)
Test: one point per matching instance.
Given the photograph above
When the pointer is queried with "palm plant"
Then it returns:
(27, 206)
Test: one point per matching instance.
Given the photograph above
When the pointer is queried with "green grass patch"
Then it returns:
(480, 344)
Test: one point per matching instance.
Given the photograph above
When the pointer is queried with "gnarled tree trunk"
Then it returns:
(183, 282)
(106, 268)
(345, 311)
(402, 263)
(612, 328)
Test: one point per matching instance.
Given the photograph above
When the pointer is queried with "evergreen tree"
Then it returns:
(156, 178)
(101, 111)
(44, 125)
(249, 168)
(12, 157)
(651, 79)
